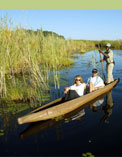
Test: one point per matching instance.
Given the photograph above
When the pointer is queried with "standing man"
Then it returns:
(108, 57)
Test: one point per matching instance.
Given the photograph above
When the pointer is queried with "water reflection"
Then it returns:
(108, 107)
(37, 127)
(79, 115)
(94, 107)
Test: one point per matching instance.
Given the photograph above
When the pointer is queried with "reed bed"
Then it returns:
(27, 57)
(26, 60)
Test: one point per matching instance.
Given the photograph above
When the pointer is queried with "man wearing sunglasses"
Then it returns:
(95, 82)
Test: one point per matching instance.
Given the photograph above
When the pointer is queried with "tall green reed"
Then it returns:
(27, 57)
(33, 56)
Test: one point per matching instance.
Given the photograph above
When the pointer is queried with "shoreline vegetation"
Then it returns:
(27, 57)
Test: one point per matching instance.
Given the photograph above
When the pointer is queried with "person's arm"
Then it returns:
(106, 55)
(91, 87)
(66, 90)
(96, 88)
(84, 86)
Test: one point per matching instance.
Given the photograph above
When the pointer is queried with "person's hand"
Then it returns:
(66, 90)
(100, 51)
(101, 60)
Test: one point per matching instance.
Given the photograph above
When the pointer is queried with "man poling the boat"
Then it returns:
(76, 90)
(95, 82)
(108, 57)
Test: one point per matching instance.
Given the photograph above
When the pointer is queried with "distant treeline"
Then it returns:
(115, 44)
(46, 33)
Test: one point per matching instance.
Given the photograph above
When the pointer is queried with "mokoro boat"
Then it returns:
(57, 108)
(34, 128)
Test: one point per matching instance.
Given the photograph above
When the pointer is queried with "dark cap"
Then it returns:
(94, 71)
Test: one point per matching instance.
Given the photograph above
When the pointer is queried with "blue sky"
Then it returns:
(75, 24)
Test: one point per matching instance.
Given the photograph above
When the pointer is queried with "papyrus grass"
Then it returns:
(32, 56)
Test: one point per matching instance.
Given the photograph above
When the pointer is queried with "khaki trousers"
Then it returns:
(109, 69)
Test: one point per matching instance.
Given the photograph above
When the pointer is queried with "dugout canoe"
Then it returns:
(78, 114)
(57, 108)
(34, 128)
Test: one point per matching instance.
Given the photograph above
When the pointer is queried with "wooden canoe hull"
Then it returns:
(63, 108)
(36, 127)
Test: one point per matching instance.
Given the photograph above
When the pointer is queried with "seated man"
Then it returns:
(95, 82)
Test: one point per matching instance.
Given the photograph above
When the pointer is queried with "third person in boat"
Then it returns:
(95, 82)
(109, 58)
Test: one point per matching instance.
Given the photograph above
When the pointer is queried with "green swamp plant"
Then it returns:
(31, 55)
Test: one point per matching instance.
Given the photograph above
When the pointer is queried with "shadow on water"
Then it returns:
(77, 114)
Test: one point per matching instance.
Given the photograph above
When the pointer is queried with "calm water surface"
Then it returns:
(93, 129)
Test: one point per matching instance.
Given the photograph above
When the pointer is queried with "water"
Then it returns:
(94, 129)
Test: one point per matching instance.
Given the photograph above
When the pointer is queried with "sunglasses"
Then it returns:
(77, 80)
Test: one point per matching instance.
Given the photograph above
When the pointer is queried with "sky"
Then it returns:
(74, 24)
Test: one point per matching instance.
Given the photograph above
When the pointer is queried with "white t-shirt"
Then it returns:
(97, 81)
(79, 89)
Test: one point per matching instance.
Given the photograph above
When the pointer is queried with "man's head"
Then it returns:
(94, 72)
(108, 45)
